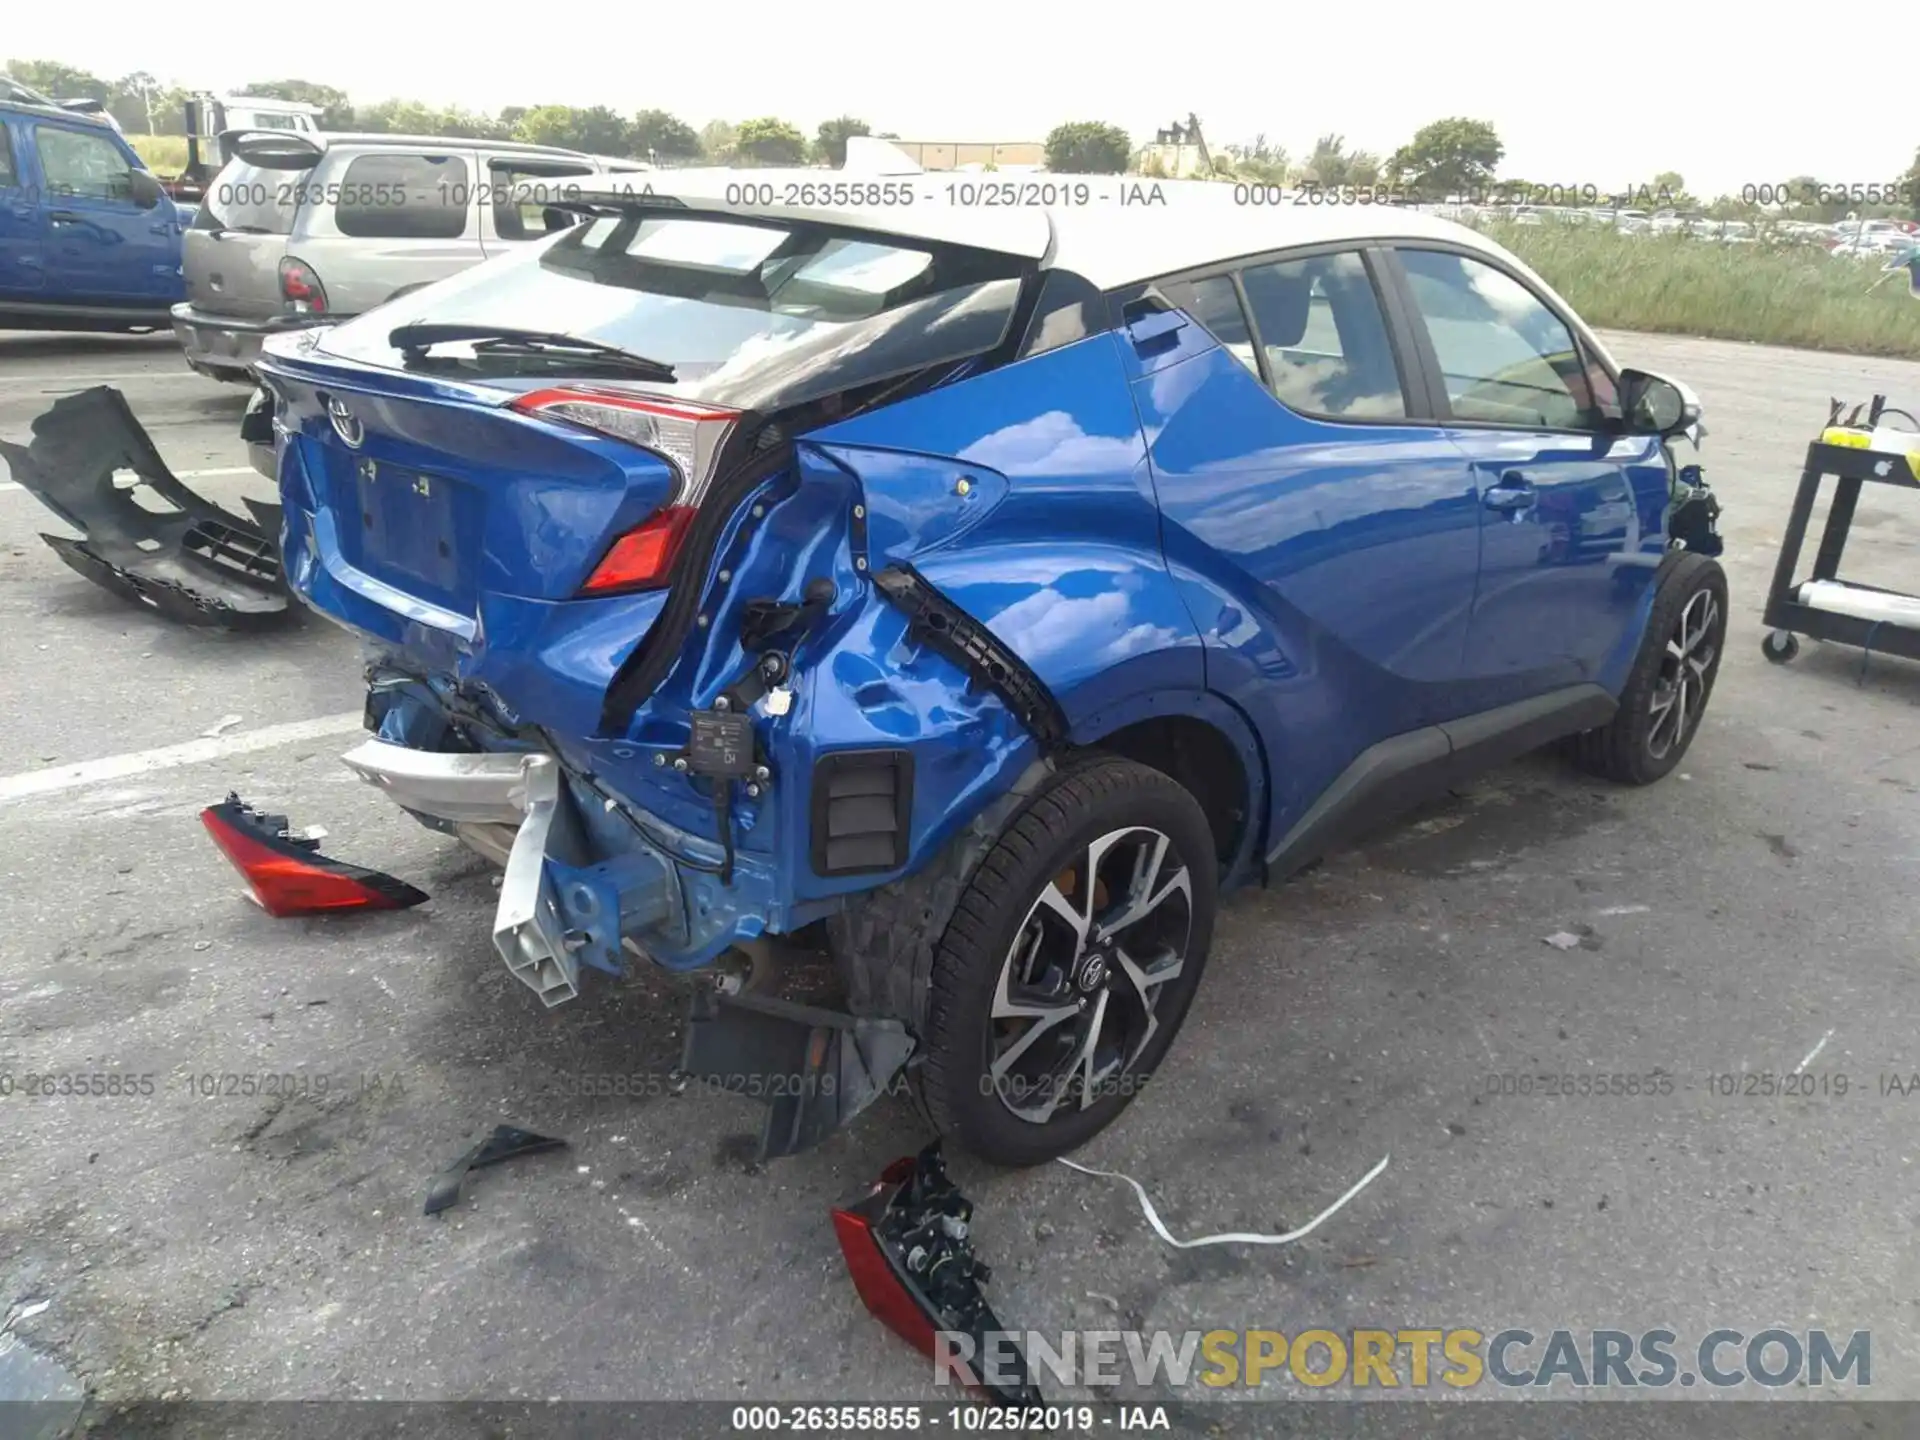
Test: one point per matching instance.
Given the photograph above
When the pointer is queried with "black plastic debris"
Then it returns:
(814, 1069)
(181, 555)
(909, 1249)
(507, 1142)
(287, 872)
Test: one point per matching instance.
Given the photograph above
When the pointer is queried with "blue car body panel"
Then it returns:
(1330, 568)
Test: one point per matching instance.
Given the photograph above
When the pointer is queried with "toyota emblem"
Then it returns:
(345, 423)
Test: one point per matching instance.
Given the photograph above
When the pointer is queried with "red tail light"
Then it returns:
(684, 433)
(292, 877)
(301, 288)
(878, 1284)
(642, 558)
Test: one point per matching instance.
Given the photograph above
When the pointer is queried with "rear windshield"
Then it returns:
(252, 199)
(756, 313)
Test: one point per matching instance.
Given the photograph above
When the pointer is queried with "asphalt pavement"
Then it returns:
(201, 1237)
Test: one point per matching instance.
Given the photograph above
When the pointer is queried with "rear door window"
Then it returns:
(252, 200)
(401, 195)
(9, 174)
(1215, 304)
(1324, 337)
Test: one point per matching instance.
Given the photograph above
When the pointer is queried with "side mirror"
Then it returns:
(1654, 405)
(144, 190)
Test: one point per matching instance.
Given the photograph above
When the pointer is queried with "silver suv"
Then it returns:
(302, 229)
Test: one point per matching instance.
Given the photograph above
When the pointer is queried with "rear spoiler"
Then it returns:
(1026, 232)
(271, 149)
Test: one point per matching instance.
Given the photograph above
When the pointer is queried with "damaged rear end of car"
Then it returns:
(617, 584)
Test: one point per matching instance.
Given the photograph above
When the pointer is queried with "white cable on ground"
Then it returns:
(1153, 1216)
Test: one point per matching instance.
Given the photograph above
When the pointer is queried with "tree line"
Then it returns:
(1448, 158)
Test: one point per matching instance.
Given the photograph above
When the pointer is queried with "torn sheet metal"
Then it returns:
(908, 1245)
(507, 1142)
(93, 465)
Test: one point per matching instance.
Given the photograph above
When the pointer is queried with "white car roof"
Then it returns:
(1128, 229)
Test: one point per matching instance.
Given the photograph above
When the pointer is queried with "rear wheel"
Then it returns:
(1672, 677)
(1069, 963)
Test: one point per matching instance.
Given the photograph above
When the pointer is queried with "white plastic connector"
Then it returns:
(528, 930)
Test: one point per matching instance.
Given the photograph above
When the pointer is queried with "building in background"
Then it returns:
(1178, 152)
(973, 154)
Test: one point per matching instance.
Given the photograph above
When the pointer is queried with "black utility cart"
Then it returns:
(1787, 617)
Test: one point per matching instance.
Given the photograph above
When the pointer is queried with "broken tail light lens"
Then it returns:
(907, 1247)
(290, 876)
(301, 288)
(686, 435)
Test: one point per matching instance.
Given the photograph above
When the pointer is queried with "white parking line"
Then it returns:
(178, 475)
(193, 752)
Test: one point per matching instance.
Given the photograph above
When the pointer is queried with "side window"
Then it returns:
(1506, 358)
(1213, 303)
(522, 208)
(1325, 338)
(403, 196)
(78, 163)
(9, 172)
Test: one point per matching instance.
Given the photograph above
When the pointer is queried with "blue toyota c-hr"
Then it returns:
(980, 592)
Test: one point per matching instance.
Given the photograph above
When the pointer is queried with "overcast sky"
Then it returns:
(1584, 94)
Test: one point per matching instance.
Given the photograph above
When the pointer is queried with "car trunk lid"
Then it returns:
(435, 501)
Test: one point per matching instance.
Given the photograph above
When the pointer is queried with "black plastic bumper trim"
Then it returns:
(937, 622)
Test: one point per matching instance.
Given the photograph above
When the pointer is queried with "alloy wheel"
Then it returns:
(1079, 994)
(1680, 692)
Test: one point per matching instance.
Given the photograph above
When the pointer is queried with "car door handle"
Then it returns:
(63, 217)
(1513, 492)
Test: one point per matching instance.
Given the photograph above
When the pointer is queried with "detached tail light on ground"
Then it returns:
(289, 875)
(908, 1247)
(687, 435)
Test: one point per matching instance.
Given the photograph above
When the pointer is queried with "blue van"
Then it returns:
(88, 239)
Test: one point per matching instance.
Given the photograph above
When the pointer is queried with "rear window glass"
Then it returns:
(404, 197)
(252, 200)
(757, 314)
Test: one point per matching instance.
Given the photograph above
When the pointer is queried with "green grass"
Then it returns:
(165, 154)
(1676, 284)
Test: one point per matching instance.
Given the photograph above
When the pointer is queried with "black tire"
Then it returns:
(1101, 823)
(1645, 740)
(1779, 646)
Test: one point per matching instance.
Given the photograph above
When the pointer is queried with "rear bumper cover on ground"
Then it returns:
(188, 559)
